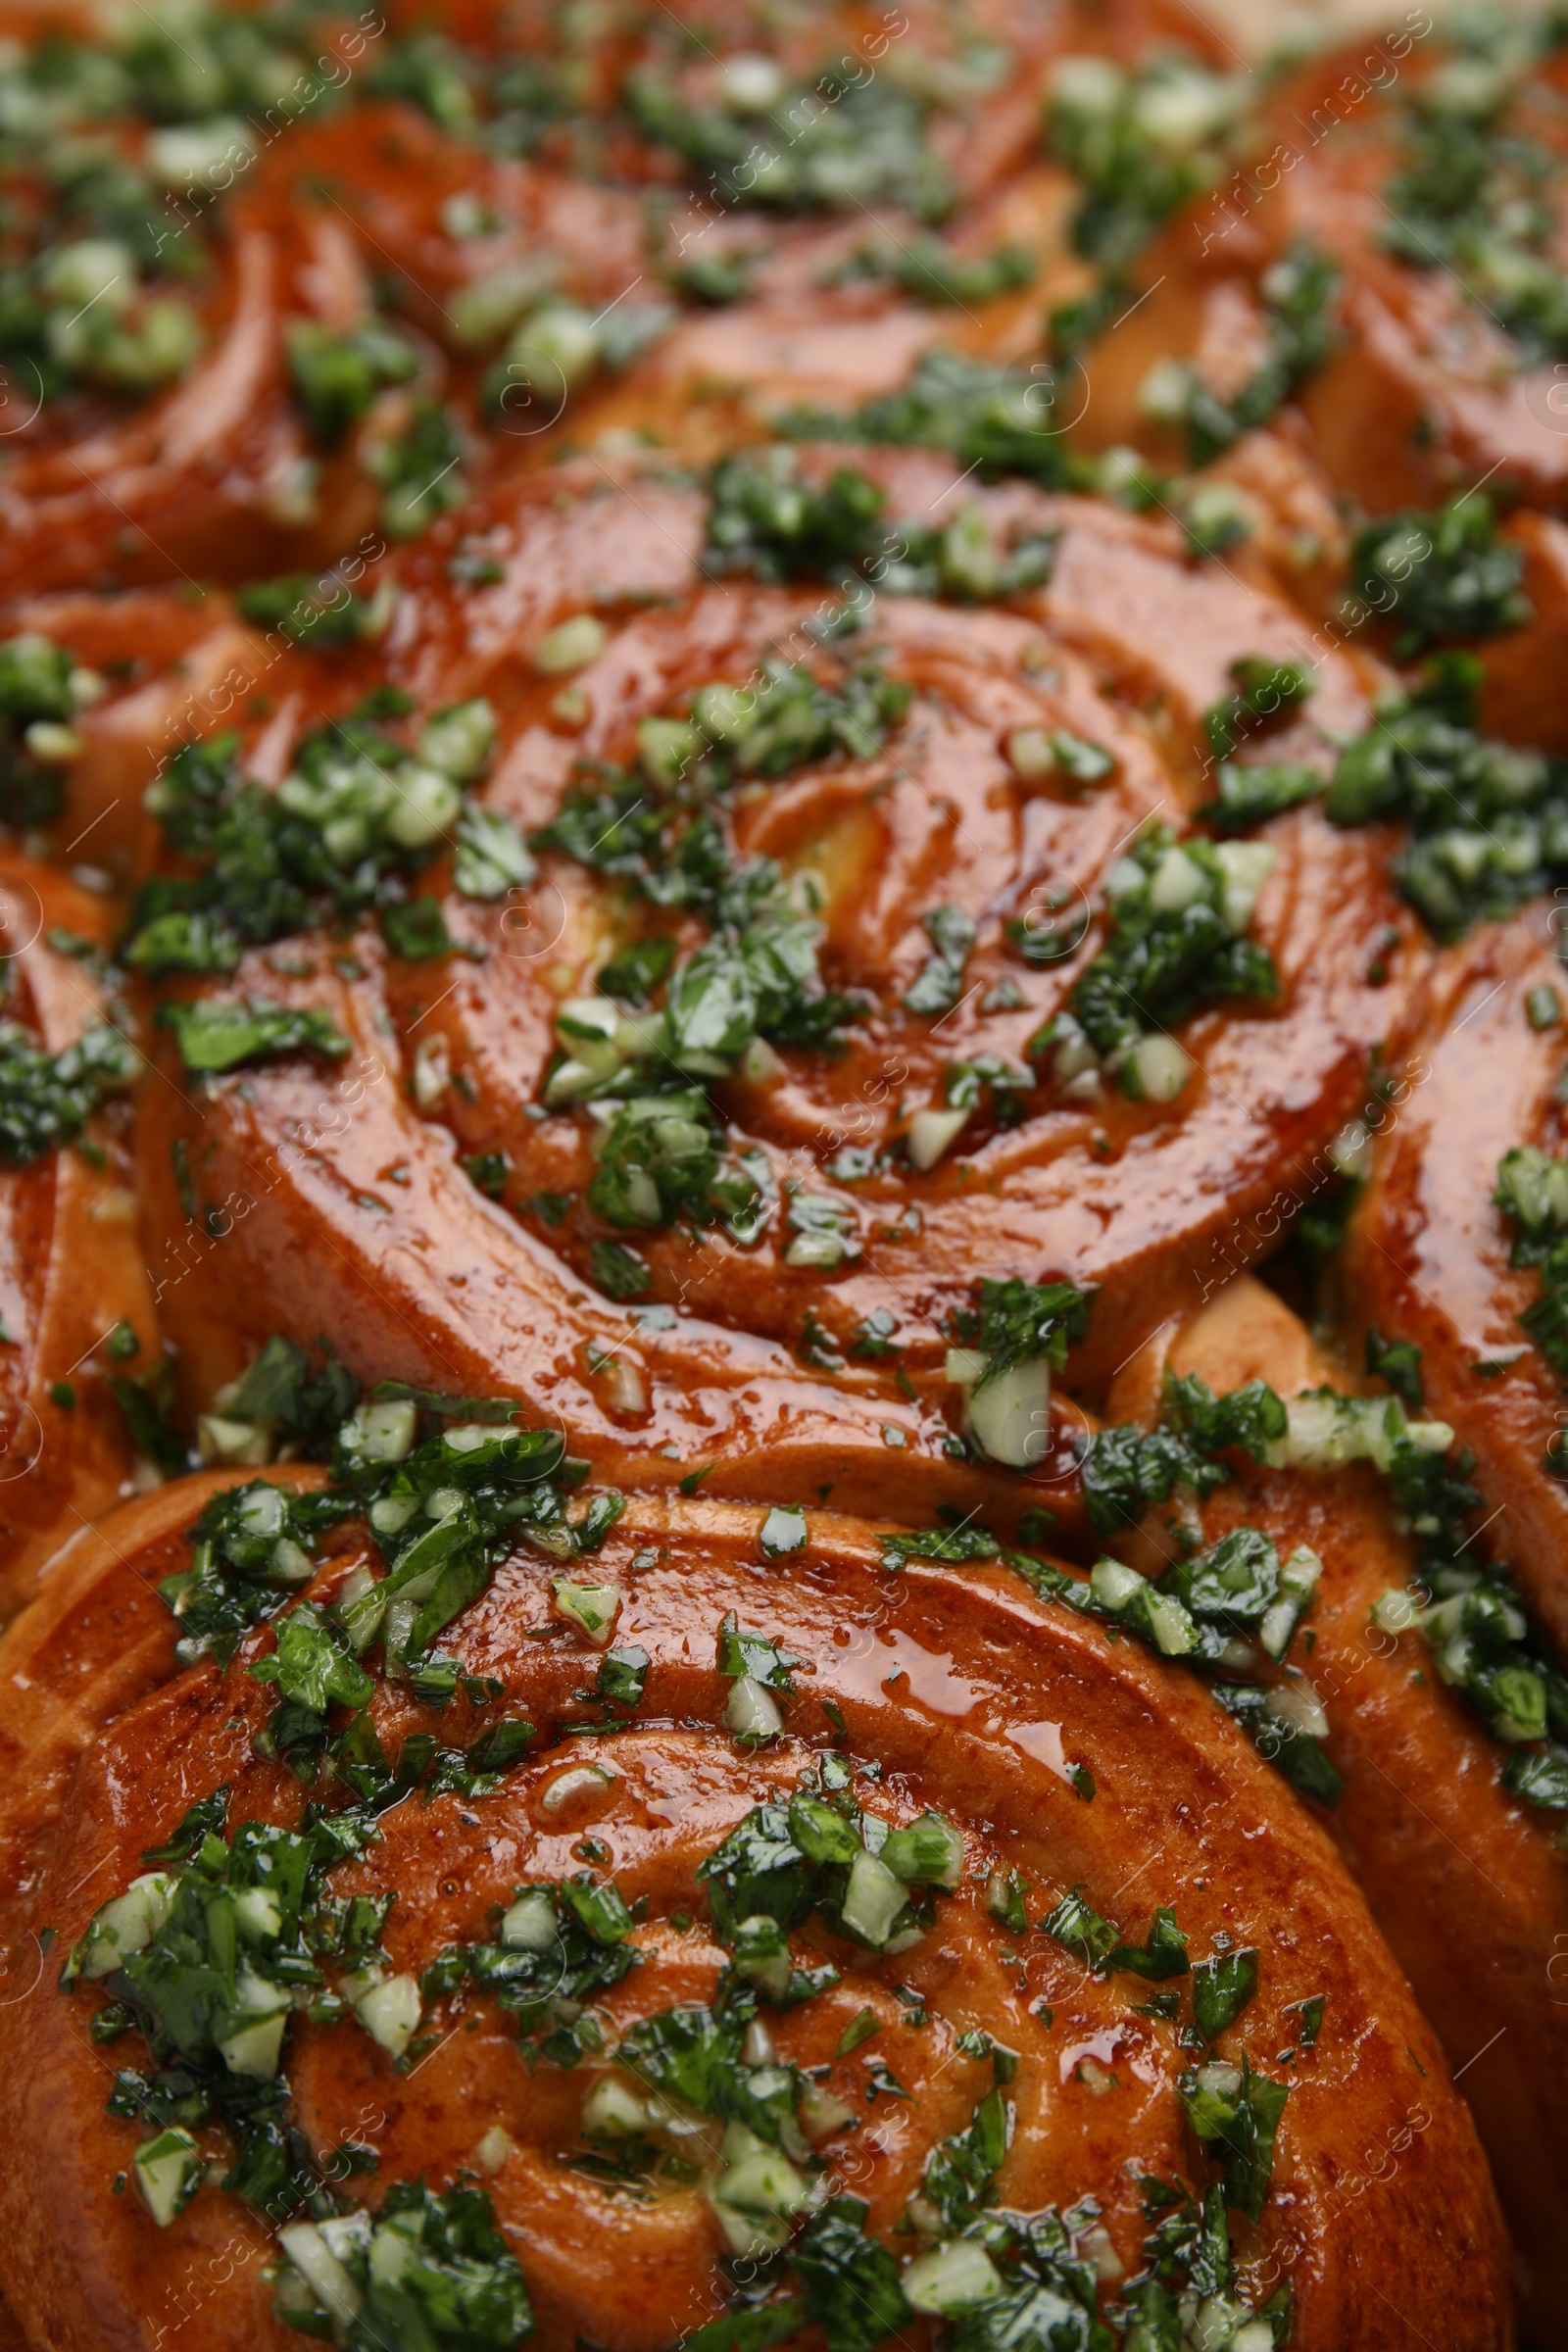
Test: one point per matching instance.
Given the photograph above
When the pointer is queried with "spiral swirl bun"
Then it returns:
(918, 1188)
(1014, 1763)
(1437, 1791)
(1433, 1246)
(1414, 345)
(233, 401)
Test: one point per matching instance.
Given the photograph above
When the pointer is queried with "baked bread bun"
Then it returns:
(583, 1956)
(1435, 374)
(208, 233)
(1445, 1808)
(150, 432)
(1375, 266)
(942, 849)
(1435, 1254)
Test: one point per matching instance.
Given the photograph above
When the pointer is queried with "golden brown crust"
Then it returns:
(215, 476)
(940, 1676)
(1429, 1249)
(1127, 646)
(354, 1203)
(1425, 395)
(1464, 1881)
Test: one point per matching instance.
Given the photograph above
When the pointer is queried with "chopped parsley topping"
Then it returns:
(555, 1946)
(1235, 1609)
(622, 1676)
(939, 984)
(638, 824)
(147, 1408)
(662, 828)
(250, 1547)
(784, 1530)
(662, 1159)
(47, 1099)
(619, 1270)
(1533, 1190)
(1399, 1363)
(1297, 292)
(42, 689)
(848, 2280)
(933, 271)
(424, 2274)
(1179, 916)
(1211, 1607)
(1237, 2115)
(948, 1543)
(431, 73)
(419, 472)
(1487, 1646)
(765, 518)
(336, 376)
(444, 1513)
(693, 2057)
(447, 1513)
(283, 1400)
(822, 1853)
(994, 419)
(1221, 1609)
(118, 150)
(831, 144)
(218, 64)
(1263, 690)
(1222, 1988)
(1044, 2291)
(1126, 1469)
(1017, 1321)
(315, 610)
(221, 1033)
(81, 299)
(205, 1955)
(755, 1655)
(719, 279)
(1249, 795)
(1141, 142)
(1489, 823)
(554, 344)
(1438, 576)
(1472, 194)
(360, 811)
(1100, 1946)
(959, 2170)
(1190, 2241)
(311, 1669)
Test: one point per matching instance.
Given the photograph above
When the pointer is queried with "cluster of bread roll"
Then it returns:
(783, 1262)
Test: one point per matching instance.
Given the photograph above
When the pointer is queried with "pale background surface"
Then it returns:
(1254, 27)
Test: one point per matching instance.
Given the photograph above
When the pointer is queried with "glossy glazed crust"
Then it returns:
(71, 1255)
(1429, 1247)
(1425, 396)
(331, 1202)
(448, 1290)
(216, 478)
(1462, 1879)
(1127, 645)
(201, 480)
(170, 666)
(973, 1697)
